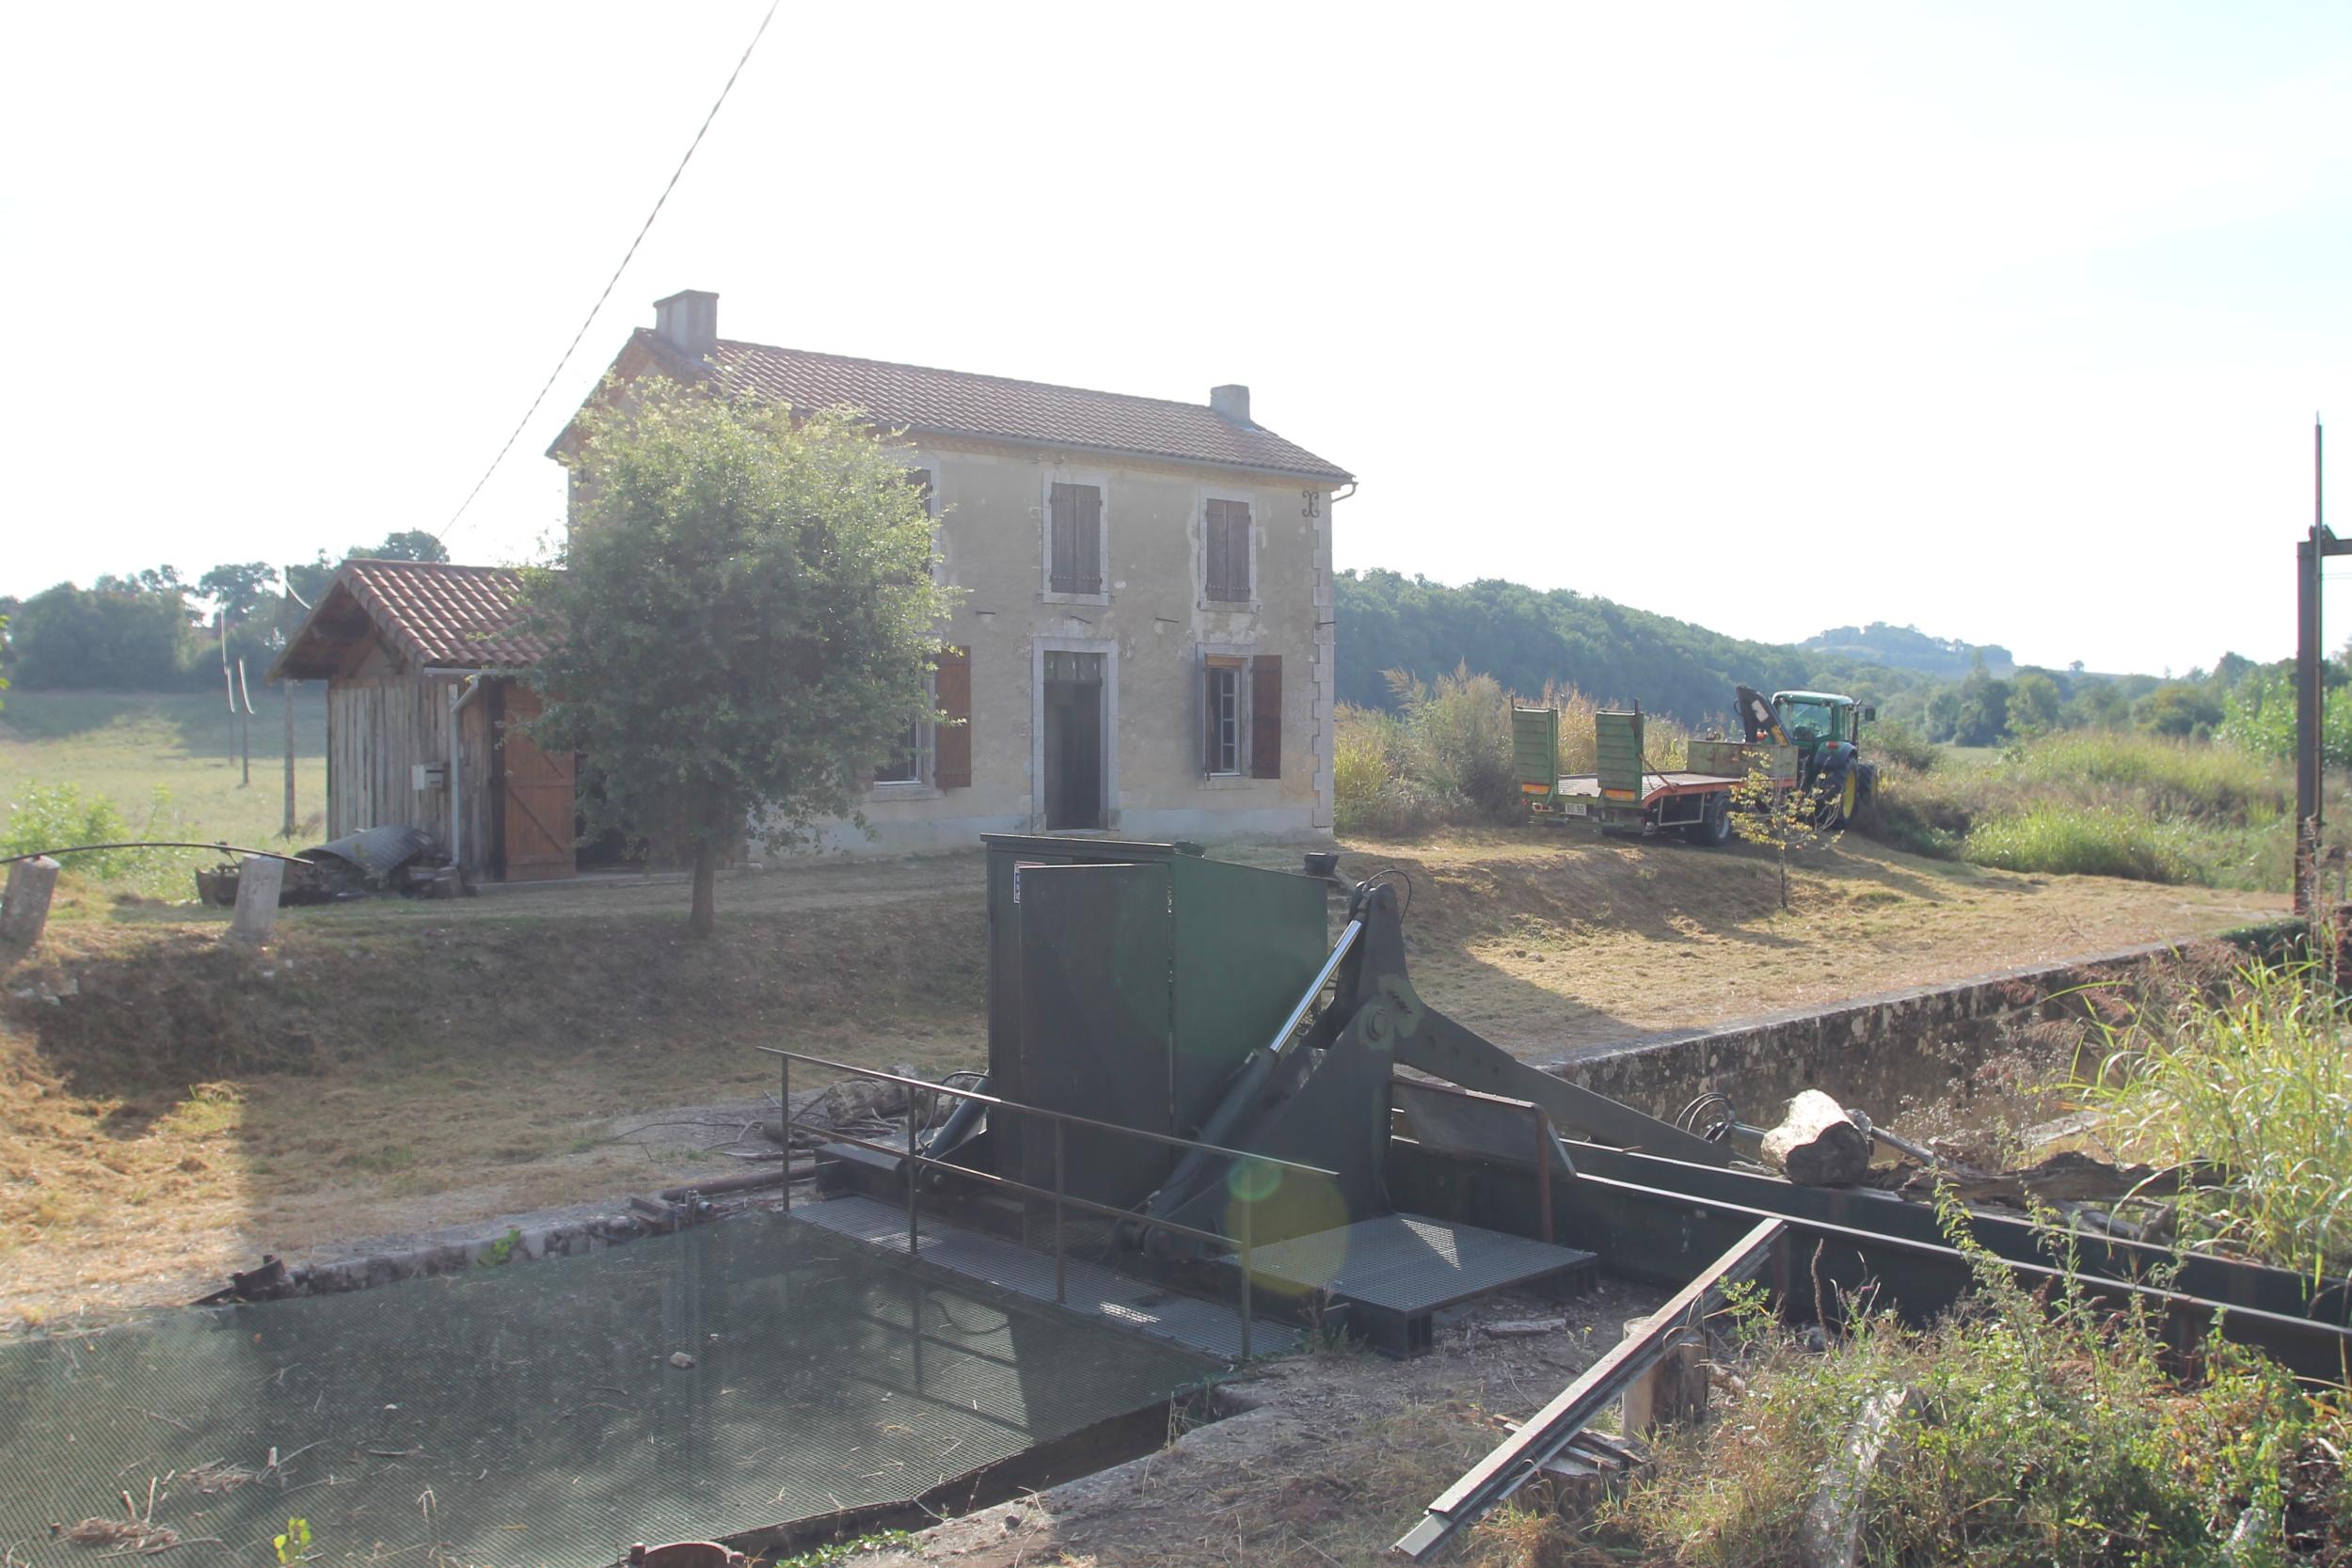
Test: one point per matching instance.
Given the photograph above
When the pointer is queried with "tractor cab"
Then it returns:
(1826, 727)
(1810, 718)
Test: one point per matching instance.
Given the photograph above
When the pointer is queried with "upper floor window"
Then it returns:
(1074, 539)
(1222, 752)
(1227, 573)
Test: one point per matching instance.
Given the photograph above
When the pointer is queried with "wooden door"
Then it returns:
(536, 805)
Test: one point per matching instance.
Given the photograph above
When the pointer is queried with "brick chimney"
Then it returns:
(1230, 402)
(689, 322)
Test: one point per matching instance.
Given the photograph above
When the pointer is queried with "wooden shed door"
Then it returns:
(535, 797)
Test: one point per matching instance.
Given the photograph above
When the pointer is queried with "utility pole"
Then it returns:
(2309, 689)
(285, 641)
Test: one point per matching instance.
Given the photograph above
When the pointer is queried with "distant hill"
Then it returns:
(1528, 638)
(1909, 648)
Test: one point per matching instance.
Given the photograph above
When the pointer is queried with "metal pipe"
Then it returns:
(1017, 1108)
(157, 844)
(459, 696)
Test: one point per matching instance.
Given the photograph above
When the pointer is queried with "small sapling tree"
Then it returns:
(744, 621)
(1784, 820)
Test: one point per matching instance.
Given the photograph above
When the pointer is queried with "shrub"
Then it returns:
(1371, 792)
(2252, 1086)
(2044, 1432)
(1458, 742)
(1901, 744)
(54, 816)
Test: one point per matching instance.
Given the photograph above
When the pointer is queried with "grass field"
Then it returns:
(126, 747)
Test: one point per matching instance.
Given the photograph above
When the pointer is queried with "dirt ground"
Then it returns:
(170, 1106)
(1328, 1460)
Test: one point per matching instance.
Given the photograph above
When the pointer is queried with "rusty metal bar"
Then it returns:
(1519, 1458)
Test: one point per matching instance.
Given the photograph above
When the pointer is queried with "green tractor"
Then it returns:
(1826, 729)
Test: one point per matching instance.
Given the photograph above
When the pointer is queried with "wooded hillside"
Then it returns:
(1528, 638)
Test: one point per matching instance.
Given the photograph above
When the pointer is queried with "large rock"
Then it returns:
(1817, 1143)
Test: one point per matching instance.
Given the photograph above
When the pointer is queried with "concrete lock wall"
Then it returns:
(1151, 624)
(1875, 1053)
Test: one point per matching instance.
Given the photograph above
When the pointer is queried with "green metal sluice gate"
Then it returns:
(534, 1413)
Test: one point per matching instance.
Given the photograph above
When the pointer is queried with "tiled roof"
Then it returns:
(959, 402)
(460, 617)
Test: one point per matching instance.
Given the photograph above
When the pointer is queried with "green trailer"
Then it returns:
(1628, 796)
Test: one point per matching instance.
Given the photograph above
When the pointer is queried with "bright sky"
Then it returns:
(2007, 321)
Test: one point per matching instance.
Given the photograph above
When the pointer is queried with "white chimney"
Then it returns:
(1230, 402)
(689, 322)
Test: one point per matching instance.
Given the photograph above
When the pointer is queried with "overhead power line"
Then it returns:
(643, 230)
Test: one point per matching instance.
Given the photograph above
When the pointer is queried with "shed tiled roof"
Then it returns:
(456, 617)
(961, 403)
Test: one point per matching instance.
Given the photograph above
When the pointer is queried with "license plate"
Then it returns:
(1572, 808)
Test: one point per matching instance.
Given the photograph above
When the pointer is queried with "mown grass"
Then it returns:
(2041, 1432)
(2099, 802)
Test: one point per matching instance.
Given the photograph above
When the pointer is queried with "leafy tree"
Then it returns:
(243, 590)
(745, 621)
(1982, 718)
(310, 577)
(118, 636)
(2180, 708)
(2034, 704)
(1786, 821)
(1941, 717)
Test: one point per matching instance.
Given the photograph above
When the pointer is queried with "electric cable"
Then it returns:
(631, 254)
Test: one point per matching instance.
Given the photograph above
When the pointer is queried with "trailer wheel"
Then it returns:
(1714, 827)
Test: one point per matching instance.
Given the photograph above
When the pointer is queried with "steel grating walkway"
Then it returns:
(1093, 1291)
(539, 1409)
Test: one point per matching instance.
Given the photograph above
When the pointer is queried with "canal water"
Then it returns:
(738, 1375)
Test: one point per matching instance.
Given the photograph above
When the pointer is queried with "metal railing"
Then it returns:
(916, 1161)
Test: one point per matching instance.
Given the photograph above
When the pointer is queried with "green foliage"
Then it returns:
(746, 620)
(2066, 840)
(1982, 716)
(2258, 716)
(121, 637)
(56, 816)
(2249, 1087)
(2034, 704)
(501, 1251)
(1901, 743)
(839, 1552)
(1445, 757)
(1786, 821)
(2037, 1433)
(2110, 802)
(1907, 648)
(1529, 640)
(295, 1544)
(2180, 708)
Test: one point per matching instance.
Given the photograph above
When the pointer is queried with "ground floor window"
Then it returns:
(1223, 750)
(906, 763)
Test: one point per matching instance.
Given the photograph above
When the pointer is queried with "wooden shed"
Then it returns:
(421, 661)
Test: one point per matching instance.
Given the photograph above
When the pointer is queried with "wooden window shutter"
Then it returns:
(951, 748)
(1228, 551)
(1266, 717)
(1090, 557)
(1065, 539)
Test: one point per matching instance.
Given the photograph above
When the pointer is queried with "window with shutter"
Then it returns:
(1075, 539)
(1266, 717)
(1220, 706)
(1228, 551)
(951, 747)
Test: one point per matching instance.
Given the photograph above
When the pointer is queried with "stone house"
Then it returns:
(1143, 643)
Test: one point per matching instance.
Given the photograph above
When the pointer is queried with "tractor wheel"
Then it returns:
(1714, 827)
